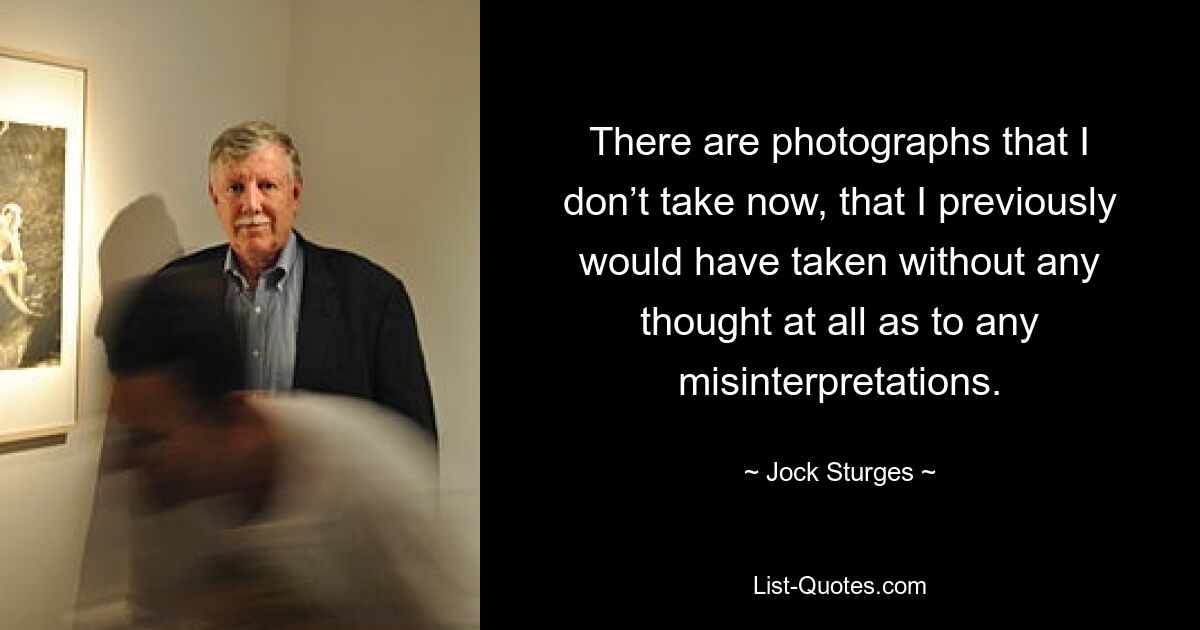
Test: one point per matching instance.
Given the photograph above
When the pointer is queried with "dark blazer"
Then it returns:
(358, 333)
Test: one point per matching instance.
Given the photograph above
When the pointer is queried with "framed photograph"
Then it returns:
(43, 103)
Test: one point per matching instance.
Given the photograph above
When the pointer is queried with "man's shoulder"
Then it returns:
(333, 416)
(346, 266)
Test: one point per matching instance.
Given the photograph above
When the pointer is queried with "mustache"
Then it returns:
(253, 219)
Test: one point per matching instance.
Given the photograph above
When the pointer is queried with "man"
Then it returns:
(264, 510)
(309, 317)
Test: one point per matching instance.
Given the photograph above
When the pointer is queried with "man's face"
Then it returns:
(179, 457)
(256, 201)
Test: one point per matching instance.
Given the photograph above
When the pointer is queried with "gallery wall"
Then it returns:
(403, 189)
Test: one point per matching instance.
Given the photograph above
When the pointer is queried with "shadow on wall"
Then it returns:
(141, 239)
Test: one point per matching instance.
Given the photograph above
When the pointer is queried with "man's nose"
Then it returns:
(254, 199)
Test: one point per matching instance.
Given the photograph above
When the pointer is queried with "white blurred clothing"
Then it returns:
(352, 537)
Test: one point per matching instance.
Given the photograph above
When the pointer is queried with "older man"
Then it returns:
(309, 317)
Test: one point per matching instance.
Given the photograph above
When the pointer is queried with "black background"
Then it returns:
(612, 501)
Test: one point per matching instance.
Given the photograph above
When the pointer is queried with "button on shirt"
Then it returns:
(268, 318)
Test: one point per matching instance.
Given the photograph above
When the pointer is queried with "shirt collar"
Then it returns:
(273, 275)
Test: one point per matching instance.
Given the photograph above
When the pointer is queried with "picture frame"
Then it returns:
(43, 113)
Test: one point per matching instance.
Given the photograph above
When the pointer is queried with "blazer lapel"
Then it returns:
(315, 352)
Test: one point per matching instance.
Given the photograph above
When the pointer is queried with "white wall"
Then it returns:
(165, 76)
(384, 101)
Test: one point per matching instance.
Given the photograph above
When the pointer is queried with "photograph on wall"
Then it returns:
(32, 174)
(43, 106)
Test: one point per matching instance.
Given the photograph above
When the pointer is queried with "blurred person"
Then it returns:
(260, 510)
(310, 317)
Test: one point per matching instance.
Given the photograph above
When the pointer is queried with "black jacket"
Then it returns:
(358, 333)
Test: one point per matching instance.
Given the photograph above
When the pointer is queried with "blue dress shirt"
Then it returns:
(268, 318)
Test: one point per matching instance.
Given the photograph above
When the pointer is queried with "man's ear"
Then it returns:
(242, 412)
(297, 188)
(237, 404)
(212, 194)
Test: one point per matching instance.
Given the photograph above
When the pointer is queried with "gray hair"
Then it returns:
(239, 141)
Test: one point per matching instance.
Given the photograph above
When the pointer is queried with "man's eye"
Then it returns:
(135, 439)
(268, 186)
(235, 188)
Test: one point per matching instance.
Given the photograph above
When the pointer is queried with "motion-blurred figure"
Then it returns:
(262, 510)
